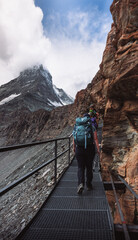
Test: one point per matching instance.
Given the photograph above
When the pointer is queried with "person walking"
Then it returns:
(94, 116)
(84, 131)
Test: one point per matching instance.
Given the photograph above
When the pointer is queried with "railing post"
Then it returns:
(55, 180)
(69, 152)
(126, 234)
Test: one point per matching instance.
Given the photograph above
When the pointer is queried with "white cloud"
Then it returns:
(73, 63)
(77, 50)
(22, 42)
(72, 52)
(79, 20)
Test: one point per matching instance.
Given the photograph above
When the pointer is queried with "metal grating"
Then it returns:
(72, 169)
(72, 219)
(97, 185)
(63, 191)
(97, 177)
(73, 176)
(74, 163)
(70, 176)
(67, 184)
(73, 183)
(76, 203)
(67, 234)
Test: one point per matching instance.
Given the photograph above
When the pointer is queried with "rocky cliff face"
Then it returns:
(120, 69)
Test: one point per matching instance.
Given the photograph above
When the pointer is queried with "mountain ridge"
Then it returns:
(26, 103)
(34, 90)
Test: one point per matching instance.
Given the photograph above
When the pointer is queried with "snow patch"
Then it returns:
(8, 99)
(47, 76)
(56, 104)
(65, 102)
(56, 90)
(28, 83)
(60, 95)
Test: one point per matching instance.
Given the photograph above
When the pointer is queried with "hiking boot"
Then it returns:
(80, 188)
(89, 187)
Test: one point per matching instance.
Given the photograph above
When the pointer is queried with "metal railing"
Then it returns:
(124, 226)
(130, 189)
(29, 174)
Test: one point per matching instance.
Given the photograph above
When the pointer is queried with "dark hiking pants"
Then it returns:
(85, 161)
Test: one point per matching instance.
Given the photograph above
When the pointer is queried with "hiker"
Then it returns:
(94, 116)
(92, 110)
(84, 148)
(94, 122)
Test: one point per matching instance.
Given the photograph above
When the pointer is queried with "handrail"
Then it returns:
(124, 226)
(130, 189)
(9, 148)
(126, 234)
(23, 178)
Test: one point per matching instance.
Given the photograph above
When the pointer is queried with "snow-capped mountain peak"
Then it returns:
(33, 89)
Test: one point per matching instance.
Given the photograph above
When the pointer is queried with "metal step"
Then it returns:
(76, 203)
(73, 219)
(72, 192)
(67, 234)
(72, 175)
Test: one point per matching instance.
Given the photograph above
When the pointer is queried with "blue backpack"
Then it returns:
(82, 133)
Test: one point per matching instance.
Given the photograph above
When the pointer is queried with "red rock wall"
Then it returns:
(120, 67)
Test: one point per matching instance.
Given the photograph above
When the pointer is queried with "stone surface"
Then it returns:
(120, 67)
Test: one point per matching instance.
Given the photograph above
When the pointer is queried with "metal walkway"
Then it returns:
(68, 216)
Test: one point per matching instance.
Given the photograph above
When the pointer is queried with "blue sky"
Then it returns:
(67, 36)
(78, 25)
(68, 5)
(57, 12)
